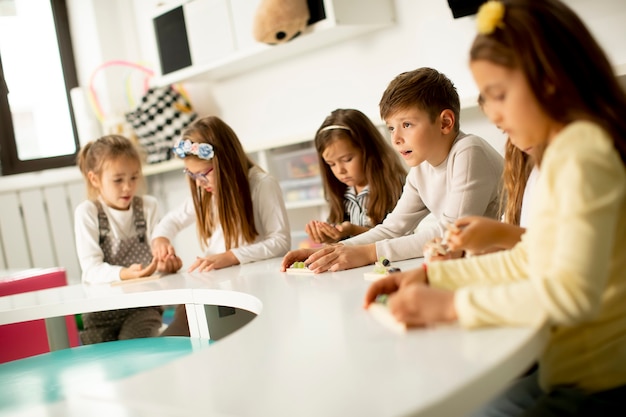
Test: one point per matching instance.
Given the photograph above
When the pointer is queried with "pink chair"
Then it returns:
(21, 340)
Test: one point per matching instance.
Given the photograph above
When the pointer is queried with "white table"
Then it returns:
(311, 351)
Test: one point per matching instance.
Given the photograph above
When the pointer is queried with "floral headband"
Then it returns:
(186, 147)
(489, 17)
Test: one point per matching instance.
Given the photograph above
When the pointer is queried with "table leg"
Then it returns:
(56, 330)
(198, 324)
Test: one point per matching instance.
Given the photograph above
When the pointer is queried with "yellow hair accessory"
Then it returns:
(489, 17)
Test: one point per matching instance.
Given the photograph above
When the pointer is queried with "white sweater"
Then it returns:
(466, 183)
(270, 219)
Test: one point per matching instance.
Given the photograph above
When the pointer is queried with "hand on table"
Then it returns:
(297, 255)
(393, 282)
(340, 257)
(411, 300)
(210, 262)
(419, 305)
(170, 266)
(138, 271)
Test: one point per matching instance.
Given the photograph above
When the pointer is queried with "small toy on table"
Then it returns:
(379, 310)
(382, 268)
(299, 268)
(435, 248)
(439, 247)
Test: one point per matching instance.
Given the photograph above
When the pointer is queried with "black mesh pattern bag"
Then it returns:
(158, 121)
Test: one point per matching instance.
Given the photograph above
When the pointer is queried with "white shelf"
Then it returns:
(317, 202)
(344, 19)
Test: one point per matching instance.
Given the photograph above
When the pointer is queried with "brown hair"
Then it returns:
(384, 172)
(517, 167)
(425, 89)
(94, 155)
(553, 48)
(233, 199)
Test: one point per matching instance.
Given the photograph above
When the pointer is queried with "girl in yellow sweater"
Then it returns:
(551, 88)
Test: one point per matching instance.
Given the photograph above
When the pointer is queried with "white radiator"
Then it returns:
(37, 220)
(37, 216)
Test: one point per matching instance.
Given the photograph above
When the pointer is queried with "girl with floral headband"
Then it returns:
(363, 176)
(533, 62)
(237, 207)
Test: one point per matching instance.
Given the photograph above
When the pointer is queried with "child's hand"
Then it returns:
(476, 234)
(331, 233)
(170, 266)
(339, 257)
(138, 271)
(394, 282)
(346, 229)
(419, 305)
(298, 255)
(434, 250)
(322, 232)
(208, 263)
(162, 249)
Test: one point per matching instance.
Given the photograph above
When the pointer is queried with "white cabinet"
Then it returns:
(296, 168)
(209, 30)
(220, 33)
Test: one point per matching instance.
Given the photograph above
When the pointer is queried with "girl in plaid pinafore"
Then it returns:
(112, 230)
(128, 323)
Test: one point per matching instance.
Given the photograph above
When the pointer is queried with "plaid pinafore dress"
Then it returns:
(128, 323)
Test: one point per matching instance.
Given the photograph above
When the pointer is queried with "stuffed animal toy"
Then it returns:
(279, 21)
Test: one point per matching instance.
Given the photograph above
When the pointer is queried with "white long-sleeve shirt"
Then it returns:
(270, 219)
(121, 226)
(466, 183)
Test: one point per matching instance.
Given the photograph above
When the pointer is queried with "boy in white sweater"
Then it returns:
(453, 174)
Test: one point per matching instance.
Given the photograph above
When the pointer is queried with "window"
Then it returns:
(37, 129)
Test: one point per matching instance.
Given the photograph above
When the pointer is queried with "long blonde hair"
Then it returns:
(517, 167)
(232, 208)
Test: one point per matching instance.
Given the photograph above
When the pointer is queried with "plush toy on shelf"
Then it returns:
(279, 21)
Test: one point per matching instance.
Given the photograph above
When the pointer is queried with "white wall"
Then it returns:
(290, 98)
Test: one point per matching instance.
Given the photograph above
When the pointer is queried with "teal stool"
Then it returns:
(47, 378)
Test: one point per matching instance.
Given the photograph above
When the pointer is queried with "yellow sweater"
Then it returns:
(569, 269)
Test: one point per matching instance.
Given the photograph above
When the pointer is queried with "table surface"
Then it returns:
(311, 351)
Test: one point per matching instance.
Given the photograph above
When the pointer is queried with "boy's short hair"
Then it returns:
(424, 88)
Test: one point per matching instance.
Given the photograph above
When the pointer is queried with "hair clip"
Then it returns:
(186, 147)
(489, 17)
